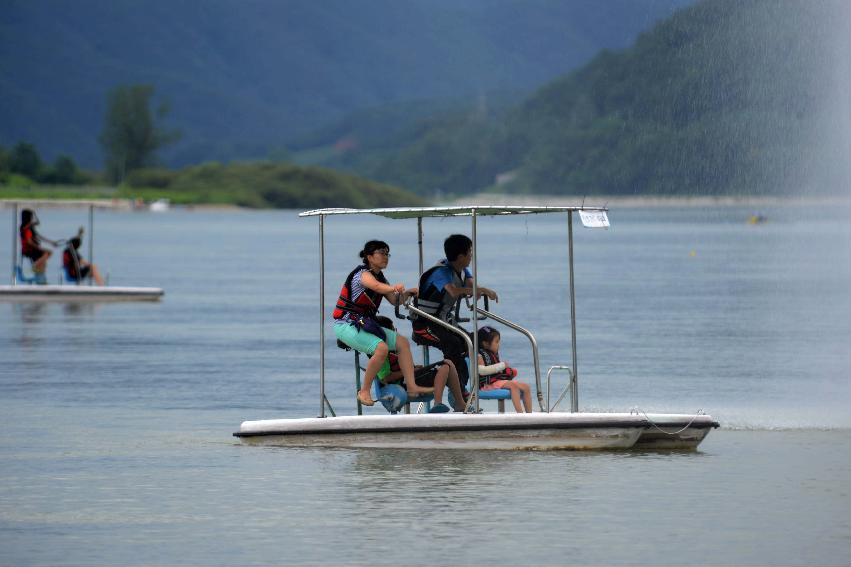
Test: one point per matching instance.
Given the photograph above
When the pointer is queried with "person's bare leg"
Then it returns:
(440, 383)
(406, 365)
(527, 397)
(96, 274)
(454, 384)
(515, 396)
(40, 265)
(376, 361)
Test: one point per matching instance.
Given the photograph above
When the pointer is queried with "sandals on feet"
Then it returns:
(365, 399)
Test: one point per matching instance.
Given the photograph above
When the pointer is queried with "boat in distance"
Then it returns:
(35, 287)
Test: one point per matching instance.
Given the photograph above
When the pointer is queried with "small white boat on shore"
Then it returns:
(160, 206)
(544, 430)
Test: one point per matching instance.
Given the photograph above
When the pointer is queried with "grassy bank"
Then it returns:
(255, 185)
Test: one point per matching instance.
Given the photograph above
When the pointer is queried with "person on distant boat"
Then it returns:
(438, 375)
(356, 326)
(440, 287)
(76, 267)
(31, 242)
(495, 374)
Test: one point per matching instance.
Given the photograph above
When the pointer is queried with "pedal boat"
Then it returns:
(28, 289)
(544, 430)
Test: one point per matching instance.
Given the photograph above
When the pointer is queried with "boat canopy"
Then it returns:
(449, 211)
(592, 217)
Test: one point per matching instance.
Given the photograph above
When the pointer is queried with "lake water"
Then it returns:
(116, 444)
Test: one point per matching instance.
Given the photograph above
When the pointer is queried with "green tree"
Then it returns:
(24, 159)
(4, 163)
(63, 170)
(132, 133)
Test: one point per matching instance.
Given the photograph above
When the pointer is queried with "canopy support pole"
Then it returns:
(420, 246)
(321, 315)
(474, 356)
(574, 405)
(14, 243)
(91, 240)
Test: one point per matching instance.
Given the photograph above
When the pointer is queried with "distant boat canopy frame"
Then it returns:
(598, 218)
(36, 203)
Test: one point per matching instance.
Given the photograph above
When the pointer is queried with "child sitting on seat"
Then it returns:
(438, 375)
(76, 267)
(494, 374)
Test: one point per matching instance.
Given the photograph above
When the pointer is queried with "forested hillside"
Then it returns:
(725, 97)
(244, 79)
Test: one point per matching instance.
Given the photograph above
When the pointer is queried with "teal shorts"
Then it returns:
(362, 341)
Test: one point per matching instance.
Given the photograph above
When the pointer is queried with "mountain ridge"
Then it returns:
(246, 78)
(724, 97)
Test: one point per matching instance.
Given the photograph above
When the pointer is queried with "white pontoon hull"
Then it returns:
(672, 431)
(537, 431)
(78, 293)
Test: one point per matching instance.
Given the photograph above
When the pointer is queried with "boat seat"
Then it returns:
(37, 278)
(64, 276)
(394, 397)
(500, 395)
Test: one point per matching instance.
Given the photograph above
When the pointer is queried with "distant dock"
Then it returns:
(114, 204)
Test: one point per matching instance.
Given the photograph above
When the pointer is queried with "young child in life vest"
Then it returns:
(439, 375)
(77, 268)
(495, 374)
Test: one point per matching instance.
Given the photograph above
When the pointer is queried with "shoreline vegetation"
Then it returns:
(652, 200)
(254, 185)
(108, 198)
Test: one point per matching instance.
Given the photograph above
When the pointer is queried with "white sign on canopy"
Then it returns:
(594, 219)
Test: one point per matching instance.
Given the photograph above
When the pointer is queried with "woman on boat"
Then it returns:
(356, 326)
(31, 242)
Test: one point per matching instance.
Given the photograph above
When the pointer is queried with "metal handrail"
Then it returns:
(474, 394)
(571, 385)
(532, 340)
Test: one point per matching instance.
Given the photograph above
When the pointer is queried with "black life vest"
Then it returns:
(366, 304)
(436, 301)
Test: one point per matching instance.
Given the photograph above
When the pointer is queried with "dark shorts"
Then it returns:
(425, 376)
(452, 346)
(85, 271)
(33, 253)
